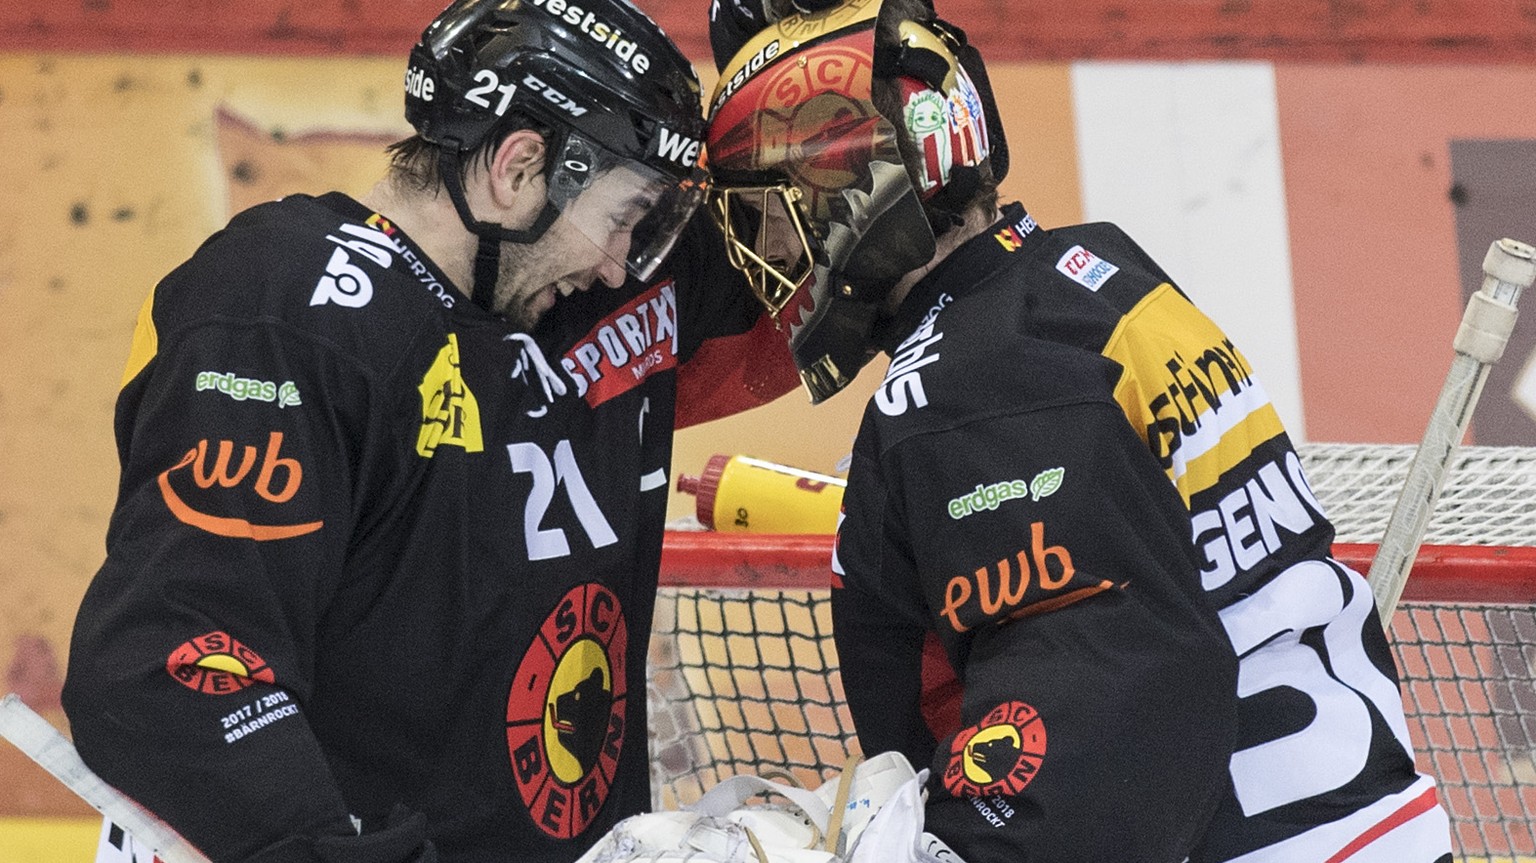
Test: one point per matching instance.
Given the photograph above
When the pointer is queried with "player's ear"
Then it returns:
(515, 166)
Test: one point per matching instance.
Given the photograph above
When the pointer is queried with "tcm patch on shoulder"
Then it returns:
(1086, 268)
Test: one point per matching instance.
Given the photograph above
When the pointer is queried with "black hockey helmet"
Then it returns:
(600, 75)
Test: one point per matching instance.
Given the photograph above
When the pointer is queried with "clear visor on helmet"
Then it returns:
(629, 210)
(767, 239)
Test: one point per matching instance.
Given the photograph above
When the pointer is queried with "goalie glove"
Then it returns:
(894, 832)
(763, 836)
(874, 808)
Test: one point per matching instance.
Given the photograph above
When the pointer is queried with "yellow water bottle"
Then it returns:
(740, 493)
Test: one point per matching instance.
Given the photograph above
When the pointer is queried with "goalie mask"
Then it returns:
(819, 207)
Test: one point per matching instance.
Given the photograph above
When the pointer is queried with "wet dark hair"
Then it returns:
(413, 162)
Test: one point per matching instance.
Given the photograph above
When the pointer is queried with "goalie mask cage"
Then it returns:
(743, 676)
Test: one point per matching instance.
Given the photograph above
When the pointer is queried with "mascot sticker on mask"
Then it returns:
(565, 711)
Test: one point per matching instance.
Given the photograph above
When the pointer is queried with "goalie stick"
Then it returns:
(43, 743)
(1508, 268)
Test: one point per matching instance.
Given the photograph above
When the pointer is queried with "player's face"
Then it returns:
(587, 244)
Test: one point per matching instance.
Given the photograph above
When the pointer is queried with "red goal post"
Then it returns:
(743, 674)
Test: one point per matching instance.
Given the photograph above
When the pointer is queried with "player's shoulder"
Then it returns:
(1100, 260)
(318, 268)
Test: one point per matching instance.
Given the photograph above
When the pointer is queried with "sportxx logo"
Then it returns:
(565, 711)
(998, 755)
(994, 594)
(225, 473)
(635, 342)
(1086, 268)
(1012, 236)
(450, 414)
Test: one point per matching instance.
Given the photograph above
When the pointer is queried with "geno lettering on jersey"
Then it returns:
(1244, 528)
(275, 484)
(1046, 580)
(622, 350)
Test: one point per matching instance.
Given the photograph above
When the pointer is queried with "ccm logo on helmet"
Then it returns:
(610, 36)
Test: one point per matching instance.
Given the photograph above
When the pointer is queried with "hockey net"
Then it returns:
(743, 676)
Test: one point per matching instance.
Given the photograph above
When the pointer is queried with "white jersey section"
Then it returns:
(1403, 828)
(1186, 158)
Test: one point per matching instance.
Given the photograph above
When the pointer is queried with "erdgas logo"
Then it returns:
(608, 35)
(345, 283)
(989, 497)
(285, 394)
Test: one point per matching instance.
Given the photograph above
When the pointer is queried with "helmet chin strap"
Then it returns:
(491, 234)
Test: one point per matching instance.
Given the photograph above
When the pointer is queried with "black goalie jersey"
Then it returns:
(372, 548)
(1075, 480)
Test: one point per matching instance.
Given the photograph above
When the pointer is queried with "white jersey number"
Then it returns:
(545, 543)
(1266, 628)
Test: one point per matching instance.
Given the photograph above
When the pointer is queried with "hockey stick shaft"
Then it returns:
(42, 743)
(1508, 269)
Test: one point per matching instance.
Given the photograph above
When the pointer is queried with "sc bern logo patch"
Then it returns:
(565, 711)
(999, 755)
(216, 664)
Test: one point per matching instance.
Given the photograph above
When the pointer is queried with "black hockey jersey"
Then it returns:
(1066, 474)
(372, 547)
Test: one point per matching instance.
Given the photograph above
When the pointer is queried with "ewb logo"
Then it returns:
(224, 473)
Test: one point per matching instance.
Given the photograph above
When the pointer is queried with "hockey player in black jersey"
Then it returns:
(1070, 482)
(380, 575)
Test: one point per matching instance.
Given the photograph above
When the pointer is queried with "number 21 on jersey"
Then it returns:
(550, 474)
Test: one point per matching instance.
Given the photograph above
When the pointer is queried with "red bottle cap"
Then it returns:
(704, 487)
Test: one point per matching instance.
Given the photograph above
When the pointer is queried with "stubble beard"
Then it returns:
(514, 296)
